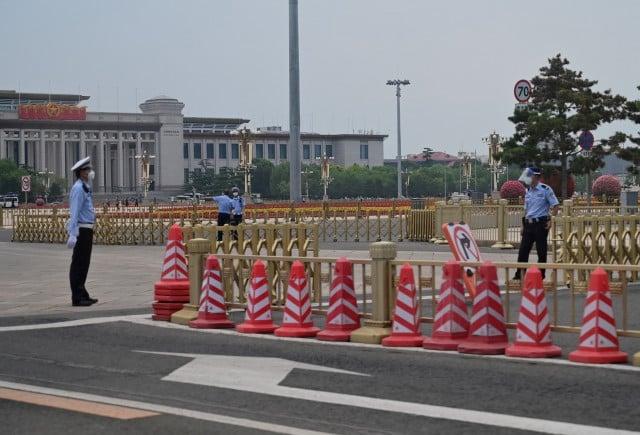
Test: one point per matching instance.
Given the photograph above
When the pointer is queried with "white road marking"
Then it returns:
(262, 375)
(206, 416)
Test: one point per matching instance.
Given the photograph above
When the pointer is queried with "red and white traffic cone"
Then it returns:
(258, 318)
(212, 312)
(172, 291)
(297, 320)
(451, 323)
(342, 316)
(533, 334)
(599, 336)
(405, 328)
(488, 334)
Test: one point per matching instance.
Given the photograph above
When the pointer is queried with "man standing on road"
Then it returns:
(540, 204)
(80, 229)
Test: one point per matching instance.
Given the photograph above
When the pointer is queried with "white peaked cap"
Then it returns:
(82, 164)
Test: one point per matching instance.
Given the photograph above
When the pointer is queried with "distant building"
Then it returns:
(52, 131)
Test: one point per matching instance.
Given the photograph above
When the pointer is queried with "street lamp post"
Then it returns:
(494, 140)
(246, 159)
(397, 84)
(306, 174)
(46, 173)
(145, 163)
(407, 174)
(325, 167)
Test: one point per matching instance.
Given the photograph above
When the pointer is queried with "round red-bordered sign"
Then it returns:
(522, 90)
(465, 244)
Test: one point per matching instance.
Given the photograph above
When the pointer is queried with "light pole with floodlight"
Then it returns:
(397, 84)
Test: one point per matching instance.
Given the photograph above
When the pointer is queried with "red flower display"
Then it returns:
(607, 185)
(512, 190)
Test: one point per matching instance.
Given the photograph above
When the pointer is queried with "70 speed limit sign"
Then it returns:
(522, 90)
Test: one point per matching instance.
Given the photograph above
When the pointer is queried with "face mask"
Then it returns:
(91, 175)
(235, 193)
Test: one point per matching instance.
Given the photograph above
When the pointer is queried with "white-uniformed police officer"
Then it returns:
(80, 229)
(540, 203)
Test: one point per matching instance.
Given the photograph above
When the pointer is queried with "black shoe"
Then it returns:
(515, 278)
(82, 303)
(93, 300)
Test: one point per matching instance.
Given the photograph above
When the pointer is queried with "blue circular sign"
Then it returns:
(585, 140)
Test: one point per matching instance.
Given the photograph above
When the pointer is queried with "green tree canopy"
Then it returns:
(563, 105)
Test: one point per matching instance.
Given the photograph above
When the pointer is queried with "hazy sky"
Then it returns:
(229, 58)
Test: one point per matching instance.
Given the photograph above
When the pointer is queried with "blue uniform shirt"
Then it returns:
(80, 206)
(238, 205)
(538, 200)
(225, 204)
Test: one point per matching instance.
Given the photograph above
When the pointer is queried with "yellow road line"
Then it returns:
(83, 406)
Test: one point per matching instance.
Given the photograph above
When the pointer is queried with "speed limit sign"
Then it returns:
(522, 90)
(26, 183)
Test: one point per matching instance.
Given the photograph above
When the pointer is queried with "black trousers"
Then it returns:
(533, 233)
(223, 219)
(80, 262)
(235, 220)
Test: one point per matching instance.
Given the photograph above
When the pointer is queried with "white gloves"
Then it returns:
(71, 242)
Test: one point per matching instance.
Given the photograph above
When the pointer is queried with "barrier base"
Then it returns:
(188, 313)
(256, 328)
(483, 348)
(437, 343)
(296, 331)
(211, 323)
(334, 335)
(403, 341)
(533, 351)
(600, 357)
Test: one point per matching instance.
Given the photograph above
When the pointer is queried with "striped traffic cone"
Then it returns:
(257, 318)
(487, 334)
(451, 323)
(297, 320)
(599, 336)
(212, 312)
(172, 291)
(342, 316)
(533, 334)
(405, 329)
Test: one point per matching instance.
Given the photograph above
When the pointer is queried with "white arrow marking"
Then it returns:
(262, 375)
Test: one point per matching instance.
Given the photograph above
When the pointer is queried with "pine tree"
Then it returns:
(563, 105)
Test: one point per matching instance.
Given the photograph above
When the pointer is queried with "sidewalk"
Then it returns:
(35, 278)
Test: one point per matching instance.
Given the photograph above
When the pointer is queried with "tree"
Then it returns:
(563, 105)
(632, 154)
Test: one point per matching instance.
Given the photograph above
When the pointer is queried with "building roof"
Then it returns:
(31, 97)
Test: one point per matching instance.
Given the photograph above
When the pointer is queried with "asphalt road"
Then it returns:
(60, 366)
(173, 372)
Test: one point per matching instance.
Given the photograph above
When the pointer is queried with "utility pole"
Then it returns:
(397, 84)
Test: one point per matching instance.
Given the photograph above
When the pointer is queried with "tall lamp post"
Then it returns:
(145, 163)
(325, 167)
(494, 140)
(407, 180)
(306, 174)
(466, 169)
(397, 84)
(46, 174)
(246, 159)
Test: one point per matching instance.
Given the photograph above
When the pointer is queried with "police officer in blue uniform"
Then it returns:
(80, 230)
(540, 204)
(225, 208)
(238, 209)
